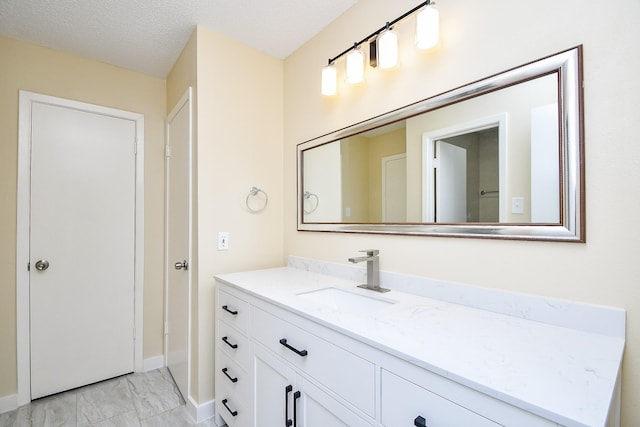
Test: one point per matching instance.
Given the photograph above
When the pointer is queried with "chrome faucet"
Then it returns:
(373, 269)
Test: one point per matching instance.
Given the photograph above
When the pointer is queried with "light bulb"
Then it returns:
(355, 66)
(388, 49)
(329, 80)
(427, 27)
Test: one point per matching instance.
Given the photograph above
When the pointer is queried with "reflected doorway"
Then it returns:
(463, 172)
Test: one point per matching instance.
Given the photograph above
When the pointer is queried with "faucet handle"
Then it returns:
(370, 252)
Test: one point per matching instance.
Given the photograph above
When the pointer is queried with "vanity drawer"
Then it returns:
(234, 344)
(344, 373)
(403, 402)
(233, 405)
(233, 310)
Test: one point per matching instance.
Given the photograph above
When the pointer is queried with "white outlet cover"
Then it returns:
(517, 205)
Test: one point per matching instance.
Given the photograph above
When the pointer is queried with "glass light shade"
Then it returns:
(427, 27)
(355, 67)
(329, 80)
(388, 49)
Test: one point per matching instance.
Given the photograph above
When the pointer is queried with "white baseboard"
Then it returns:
(153, 363)
(8, 403)
(201, 412)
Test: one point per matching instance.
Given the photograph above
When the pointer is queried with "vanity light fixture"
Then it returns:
(355, 65)
(383, 47)
(329, 80)
(388, 48)
(427, 27)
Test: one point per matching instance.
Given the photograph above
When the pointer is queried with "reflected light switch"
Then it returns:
(517, 205)
(347, 212)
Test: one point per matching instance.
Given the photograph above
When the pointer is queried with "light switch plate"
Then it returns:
(223, 240)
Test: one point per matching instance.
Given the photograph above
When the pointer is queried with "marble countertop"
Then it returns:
(563, 374)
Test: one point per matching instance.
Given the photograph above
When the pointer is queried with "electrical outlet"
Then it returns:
(223, 240)
(517, 205)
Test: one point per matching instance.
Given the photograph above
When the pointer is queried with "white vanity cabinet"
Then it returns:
(283, 361)
(270, 372)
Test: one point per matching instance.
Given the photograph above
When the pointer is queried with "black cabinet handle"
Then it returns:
(226, 341)
(233, 380)
(296, 396)
(301, 353)
(233, 413)
(226, 308)
(420, 422)
(287, 390)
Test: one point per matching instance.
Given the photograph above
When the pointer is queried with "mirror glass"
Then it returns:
(501, 157)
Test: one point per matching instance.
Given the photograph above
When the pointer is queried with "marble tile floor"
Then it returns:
(149, 399)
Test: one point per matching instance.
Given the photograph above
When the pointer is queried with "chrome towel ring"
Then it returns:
(253, 191)
(308, 195)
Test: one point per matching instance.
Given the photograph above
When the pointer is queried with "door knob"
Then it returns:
(42, 265)
(179, 265)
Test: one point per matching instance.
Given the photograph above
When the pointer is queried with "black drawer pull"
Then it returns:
(226, 341)
(420, 422)
(233, 380)
(226, 308)
(233, 413)
(287, 390)
(301, 353)
(296, 396)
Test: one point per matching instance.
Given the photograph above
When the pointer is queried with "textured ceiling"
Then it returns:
(148, 35)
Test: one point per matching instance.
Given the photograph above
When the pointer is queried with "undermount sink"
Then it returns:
(342, 300)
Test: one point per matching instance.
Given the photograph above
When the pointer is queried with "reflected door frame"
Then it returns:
(428, 143)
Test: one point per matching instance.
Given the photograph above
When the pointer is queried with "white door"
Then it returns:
(545, 164)
(394, 188)
(178, 243)
(82, 242)
(451, 183)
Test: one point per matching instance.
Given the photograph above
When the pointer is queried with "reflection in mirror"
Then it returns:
(493, 153)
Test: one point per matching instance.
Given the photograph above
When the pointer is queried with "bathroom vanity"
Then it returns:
(303, 346)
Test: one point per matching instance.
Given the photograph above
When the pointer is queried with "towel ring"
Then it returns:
(253, 191)
(307, 195)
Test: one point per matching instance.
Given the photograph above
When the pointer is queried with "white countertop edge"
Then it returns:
(592, 318)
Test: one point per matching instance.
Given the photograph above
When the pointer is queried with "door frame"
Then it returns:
(185, 100)
(428, 142)
(26, 99)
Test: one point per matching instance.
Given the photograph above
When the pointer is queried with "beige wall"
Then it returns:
(387, 144)
(36, 69)
(240, 116)
(238, 107)
(479, 39)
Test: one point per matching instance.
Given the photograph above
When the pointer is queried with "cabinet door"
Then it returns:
(285, 398)
(273, 391)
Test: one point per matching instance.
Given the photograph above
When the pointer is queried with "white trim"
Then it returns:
(153, 363)
(8, 403)
(186, 99)
(201, 412)
(429, 139)
(26, 100)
